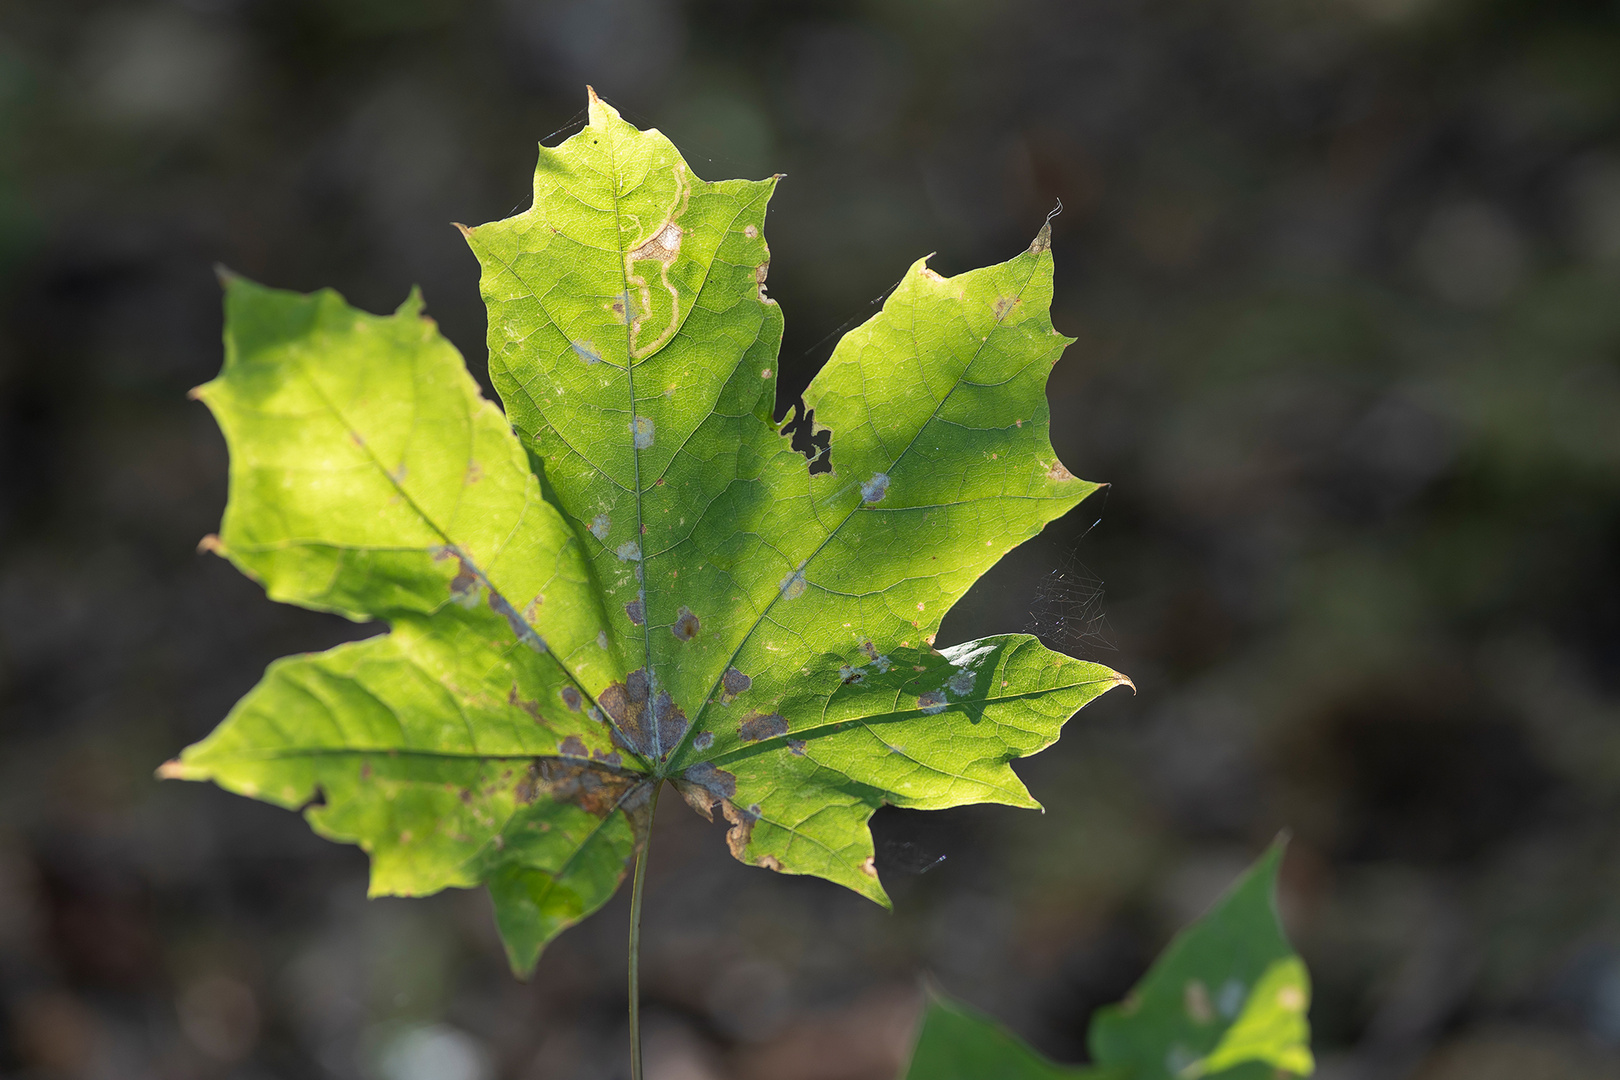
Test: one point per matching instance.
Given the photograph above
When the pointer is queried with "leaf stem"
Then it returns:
(636, 890)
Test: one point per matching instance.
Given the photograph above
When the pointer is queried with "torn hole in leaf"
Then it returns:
(807, 439)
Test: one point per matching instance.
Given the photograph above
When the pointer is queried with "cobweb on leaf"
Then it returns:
(1066, 612)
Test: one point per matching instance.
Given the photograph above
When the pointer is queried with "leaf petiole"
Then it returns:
(636, 889)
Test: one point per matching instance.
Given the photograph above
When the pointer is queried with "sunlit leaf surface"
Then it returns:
(630, 575)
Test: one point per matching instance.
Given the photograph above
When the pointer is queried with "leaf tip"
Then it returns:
(211, 545)
(466, 233)
(600, 112)
(1042, 241)
(1124, 680)
(171, 770)
(225, 275)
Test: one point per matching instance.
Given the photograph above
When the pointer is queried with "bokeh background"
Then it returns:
(1346, 280)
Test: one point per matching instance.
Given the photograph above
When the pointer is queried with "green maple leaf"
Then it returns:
(957, 1043)
(630, 576)
(1226, 1000)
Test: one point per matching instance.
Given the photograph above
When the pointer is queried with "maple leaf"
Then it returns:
(1227, 999)
(631, 576)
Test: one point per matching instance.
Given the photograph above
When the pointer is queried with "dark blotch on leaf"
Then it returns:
(590, 787)
(571, 697)
(464, 586)
(637, 612)
(761, 726)
(573, 746)
(734, 682)
(672, 722)
(626, 705)
(796, 747)
(742, 826)
(686, 625)
(702, 785)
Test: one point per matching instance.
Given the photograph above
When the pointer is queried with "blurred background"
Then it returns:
(1346, 280)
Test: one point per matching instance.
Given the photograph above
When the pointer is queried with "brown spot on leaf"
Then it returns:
(759, 726)
(626, 704)
(1058, 472)
(686, 625)
(592, 788)
(573, 746)
(869, 867)
(529, 786)
(734, 682)
(672, 723)
(796, 747)
(760, 273)
(702, 785)
(610, 758)
(571, 698)
(742, 827)
(1004, 305)
(464, 586)
(769, 862)
(664, 246)
(637, 612)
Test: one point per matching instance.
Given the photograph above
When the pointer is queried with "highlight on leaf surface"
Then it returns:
(1227, 999)
(630, 575)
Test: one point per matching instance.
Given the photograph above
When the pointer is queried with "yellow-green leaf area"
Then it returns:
(625, 574)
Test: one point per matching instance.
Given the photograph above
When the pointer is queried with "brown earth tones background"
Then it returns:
(1346, 279)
